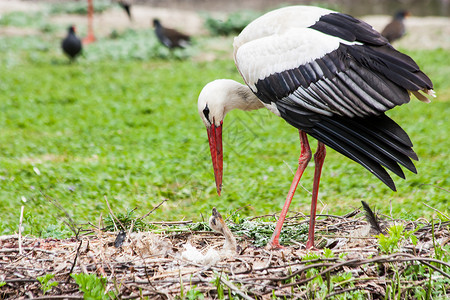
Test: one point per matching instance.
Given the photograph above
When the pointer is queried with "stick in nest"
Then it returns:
(113, 215)
(20, 229)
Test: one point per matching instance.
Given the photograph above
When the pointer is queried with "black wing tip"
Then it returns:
(387, 180)
(413, 155)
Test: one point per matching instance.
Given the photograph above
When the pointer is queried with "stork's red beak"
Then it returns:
(215, 145)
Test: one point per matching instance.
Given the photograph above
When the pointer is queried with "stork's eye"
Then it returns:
(206, 113)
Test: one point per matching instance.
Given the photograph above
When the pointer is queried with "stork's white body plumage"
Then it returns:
(284, 31)
(329, 75)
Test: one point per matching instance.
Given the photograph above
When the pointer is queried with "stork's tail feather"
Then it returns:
(374, 142)
(422, 97)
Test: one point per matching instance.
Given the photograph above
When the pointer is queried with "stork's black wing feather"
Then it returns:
(349, 28)
(353, 80)
(374, 142)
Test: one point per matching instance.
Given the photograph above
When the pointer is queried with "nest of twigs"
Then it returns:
(154, 265)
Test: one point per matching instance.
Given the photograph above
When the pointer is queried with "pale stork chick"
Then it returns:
(212, 256)
(194, 255)
(217, 224)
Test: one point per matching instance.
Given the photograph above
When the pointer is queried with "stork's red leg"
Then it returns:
(319, 157)
(90, 36)
(305, 157)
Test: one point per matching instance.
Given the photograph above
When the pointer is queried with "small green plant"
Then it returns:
(396, 234)
(219, 287)
(260, 232)
(46, 285)
(194, 294)
(199, 226)
(328, 253)
(93, 287)
(126, 220)
(233, 24)
(2, 283)
(311, 256)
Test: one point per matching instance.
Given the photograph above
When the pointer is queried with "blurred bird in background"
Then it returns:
(170, 38)
(71, 44)
(396, 28)
(126, 5)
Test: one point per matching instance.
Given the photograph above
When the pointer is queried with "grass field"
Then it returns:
(122, 123)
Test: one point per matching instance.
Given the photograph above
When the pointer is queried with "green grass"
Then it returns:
(127, 127)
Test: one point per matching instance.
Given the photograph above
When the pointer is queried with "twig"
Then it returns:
(20, 229)
(303, 262)
(274, 215)
(347, 237)
(71, 223)
(233, 287)
(20, 280)
(59, 297)
(344, 291)
(8, 237)
(423, 261)
(448, 218)
(171, 222)
(26, 249)
(141, 296)
(300, 271)
(111, 212)
(74, 261)
(236, 211)
(153, 209)
(317, 215)
(435, 186)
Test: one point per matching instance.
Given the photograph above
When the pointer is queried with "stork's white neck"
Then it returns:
(241, 97)
(224, 95)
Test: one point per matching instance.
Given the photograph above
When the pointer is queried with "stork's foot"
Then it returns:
(274, 245)
(310, 246)
(90, 38)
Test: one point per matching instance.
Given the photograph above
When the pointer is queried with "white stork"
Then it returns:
(329, 75)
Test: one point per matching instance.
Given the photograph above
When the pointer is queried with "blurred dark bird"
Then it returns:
(170, 38)
(71, 44)
(126, 5)
(396, 28)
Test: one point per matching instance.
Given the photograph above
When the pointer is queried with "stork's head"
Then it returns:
(211, 107)
(215, 100)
